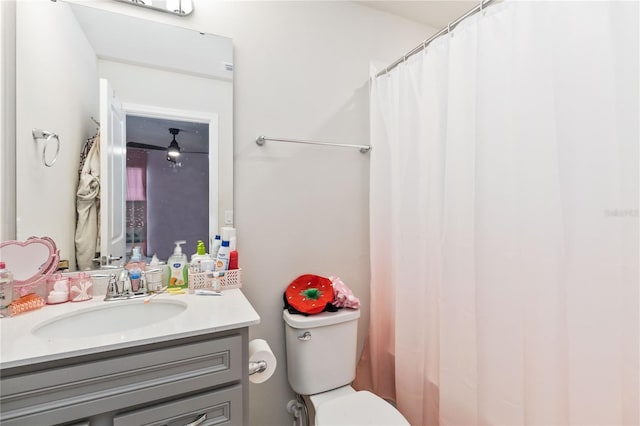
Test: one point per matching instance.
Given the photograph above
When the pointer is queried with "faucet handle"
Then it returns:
(126, 283)
(142, 287)
(112, 287)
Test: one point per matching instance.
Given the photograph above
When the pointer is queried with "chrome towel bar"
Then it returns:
(363, 148)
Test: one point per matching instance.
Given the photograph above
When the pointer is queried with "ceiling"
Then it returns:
(193, 137)
(434, 13)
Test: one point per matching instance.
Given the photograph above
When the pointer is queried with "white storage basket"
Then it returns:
(205, 280)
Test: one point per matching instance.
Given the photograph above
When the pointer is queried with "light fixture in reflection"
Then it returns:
(176, 7)
(173, 150)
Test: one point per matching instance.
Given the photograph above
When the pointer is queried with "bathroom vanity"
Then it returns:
(190, 368)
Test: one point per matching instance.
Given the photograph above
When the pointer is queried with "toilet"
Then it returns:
(321, 364)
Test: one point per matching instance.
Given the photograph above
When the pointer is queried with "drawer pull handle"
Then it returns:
(199, 421)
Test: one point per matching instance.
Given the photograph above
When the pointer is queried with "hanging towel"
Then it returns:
(84, 153)
(87, 236)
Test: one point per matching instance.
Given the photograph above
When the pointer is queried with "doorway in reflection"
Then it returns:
(167, 194)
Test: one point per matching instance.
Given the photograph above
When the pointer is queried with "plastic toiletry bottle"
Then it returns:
(233, 259)
(199, 257)
(154, 274)
(222, 260)
(177, 267)
(215, 247)
(6, 289)
(135, 272)
(230, 234)
(208, 264)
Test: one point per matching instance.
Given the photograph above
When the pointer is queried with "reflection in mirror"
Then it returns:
(167, 195)
(178, 7)
(82, 44)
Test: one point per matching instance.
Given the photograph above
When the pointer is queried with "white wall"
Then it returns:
(51, 48)
(301, 71)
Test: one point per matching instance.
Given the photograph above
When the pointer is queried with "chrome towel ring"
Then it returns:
(47, 136)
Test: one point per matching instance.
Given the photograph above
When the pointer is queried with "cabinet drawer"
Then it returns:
(45, 396)
(222, 407)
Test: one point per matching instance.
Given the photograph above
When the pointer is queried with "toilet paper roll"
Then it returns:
(259, 350)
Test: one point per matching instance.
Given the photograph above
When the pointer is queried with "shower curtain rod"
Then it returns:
(363, 148)
(443, 31)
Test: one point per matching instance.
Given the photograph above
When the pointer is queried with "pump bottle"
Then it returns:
(177, 270)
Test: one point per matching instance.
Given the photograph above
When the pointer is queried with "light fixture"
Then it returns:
(173, 150)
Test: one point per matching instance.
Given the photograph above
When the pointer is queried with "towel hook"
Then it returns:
(97, 123)
(47, 136)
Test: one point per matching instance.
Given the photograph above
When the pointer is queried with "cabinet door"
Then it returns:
(219, 407)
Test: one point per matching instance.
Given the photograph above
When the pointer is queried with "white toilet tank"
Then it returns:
(321, 350)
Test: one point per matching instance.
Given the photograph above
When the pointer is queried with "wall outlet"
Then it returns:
(228, 217)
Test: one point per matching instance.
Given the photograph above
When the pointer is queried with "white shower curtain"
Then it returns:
(504, 221)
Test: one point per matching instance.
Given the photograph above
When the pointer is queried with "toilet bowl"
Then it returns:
(356, 408)
(321, 364)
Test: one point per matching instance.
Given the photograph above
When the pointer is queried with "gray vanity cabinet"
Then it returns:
(199, 380)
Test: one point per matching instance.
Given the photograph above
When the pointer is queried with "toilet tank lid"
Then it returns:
(321, 319)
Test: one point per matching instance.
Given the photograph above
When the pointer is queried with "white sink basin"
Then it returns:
(112, 317)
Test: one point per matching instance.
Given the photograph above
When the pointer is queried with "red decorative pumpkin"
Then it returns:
(309, 293)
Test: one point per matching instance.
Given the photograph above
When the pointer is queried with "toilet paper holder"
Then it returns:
(262, 362)
(257, 367)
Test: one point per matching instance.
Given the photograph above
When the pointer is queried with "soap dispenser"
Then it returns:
(177, 267)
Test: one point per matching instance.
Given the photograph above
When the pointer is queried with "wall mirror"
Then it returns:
(73, 61)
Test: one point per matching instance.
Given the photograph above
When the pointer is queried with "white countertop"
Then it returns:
(203, 315)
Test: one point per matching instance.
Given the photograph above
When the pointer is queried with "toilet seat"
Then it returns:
(358, 408)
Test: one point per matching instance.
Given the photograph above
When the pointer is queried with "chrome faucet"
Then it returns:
(121, 289)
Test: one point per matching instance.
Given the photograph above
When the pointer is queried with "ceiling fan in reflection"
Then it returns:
(173, 150)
